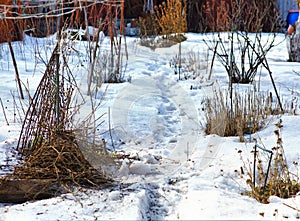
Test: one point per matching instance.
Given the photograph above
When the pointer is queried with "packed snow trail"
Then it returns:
(157, 102)
(176, 114)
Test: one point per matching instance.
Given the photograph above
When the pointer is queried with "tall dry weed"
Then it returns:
(271, 176)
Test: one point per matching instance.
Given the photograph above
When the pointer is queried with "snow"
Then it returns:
(174, 171)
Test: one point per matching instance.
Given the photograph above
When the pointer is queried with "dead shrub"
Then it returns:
(271, 175)
(168, 21)
(148, 26)
(171, 17)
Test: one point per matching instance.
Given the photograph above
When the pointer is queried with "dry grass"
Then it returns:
(60, 159)
(250, 112)
(193, 65)
(106, 72)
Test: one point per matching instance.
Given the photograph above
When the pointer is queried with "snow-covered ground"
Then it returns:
(181, 174)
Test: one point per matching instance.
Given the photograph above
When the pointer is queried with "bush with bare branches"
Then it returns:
(241, 53)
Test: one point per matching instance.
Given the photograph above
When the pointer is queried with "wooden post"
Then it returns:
(111, 34)
(57, 98)
(16, 70)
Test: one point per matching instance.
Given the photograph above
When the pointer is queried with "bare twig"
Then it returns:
(213, 60)
(3, 109)
(294, 208)
(109, 128)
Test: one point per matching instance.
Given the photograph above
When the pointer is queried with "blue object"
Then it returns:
(292, 17)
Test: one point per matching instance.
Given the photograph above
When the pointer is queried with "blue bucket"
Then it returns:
(292, 17)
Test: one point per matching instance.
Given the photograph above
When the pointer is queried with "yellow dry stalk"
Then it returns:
(171, 17)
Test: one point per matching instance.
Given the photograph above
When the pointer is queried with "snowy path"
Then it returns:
(172, 116)
(157, 103)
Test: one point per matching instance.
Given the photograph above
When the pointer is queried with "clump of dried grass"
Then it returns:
(60, 159)
(245, 113)
(106, 70)
(192, 65)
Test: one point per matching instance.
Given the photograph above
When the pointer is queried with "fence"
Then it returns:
(41, 18)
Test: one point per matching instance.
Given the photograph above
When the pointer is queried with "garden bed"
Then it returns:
(20, 191)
